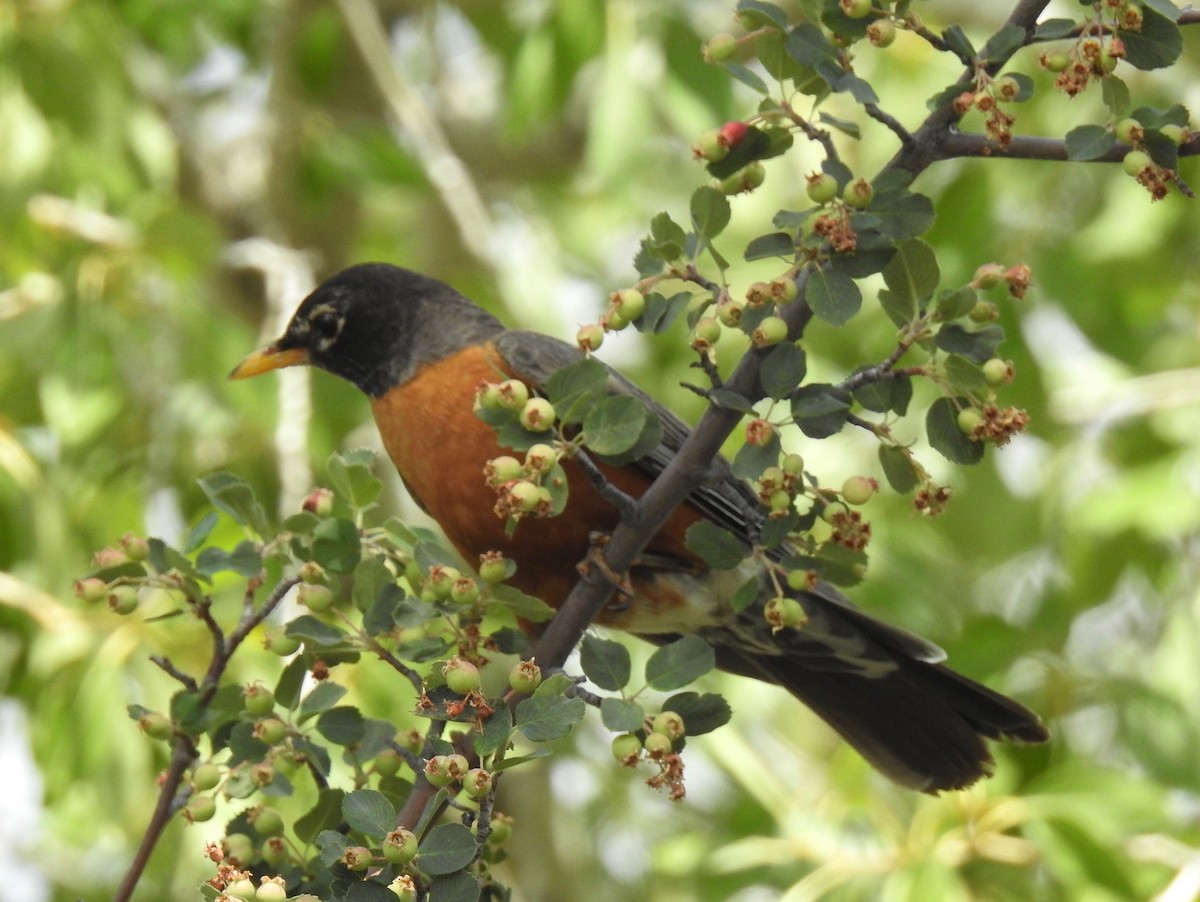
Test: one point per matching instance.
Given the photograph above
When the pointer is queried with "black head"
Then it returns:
(375, 325)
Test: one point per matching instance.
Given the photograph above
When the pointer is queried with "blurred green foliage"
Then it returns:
(520, 157)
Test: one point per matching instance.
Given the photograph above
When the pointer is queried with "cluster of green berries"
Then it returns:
(715, 144)
(778, 486)
(728, 312)
(990, 423)
(521, 486)
(121, 596)
(986, 97)
(1138, 163)
(661, 736)
(1092, 57)
(237, 884)
(835, 225)
(624, 307)
(445, 770)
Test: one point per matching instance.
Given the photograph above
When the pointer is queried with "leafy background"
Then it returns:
(164, 167)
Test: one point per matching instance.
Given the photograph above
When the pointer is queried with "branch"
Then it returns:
(1028, 147)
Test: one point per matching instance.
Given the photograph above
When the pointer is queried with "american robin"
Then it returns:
(418, 349)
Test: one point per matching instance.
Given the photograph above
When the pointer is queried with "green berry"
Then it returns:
(206, 776)
(968, 419)
(1056, 61)
(109, 557)
(242, 888)
(629, 302)
(156, 725)
(199, 809)
(998, 372)
(855, 9)
(400, 847)
(707, 330)
(493, 568)
(537, 415)
(258, 699)
(403, 888)
(437, 771)
(781, 501)
(387, 763)
(315, 597)
(658, 745)
(709, 146)
(525, 676)
(270, 890)
(730, 312)
(513, 393)
(799, 580)
(267, 822)
(669, 724)
(627, 748)
(783, 612)
(462, 677)
(525, 496)
(457, 766)
(477, 782)
(238, 848)
(858, 193)
(1176, 134)
(280, 643)
(441, 579)
(882, 32)
(311, 573)
(1135, 161)
(540, 458)
(501, 830)
(720, 47)
(783, 290)
(821, 187)
(91, 589)
(270, 730)
(1129, 131)
(274, 849)
(859, 489)
(135, 547)
(771, 331)
(500, 470)
(357, 858)
(123, 600)
(590, 337)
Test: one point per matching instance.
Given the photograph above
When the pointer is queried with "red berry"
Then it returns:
(733, 132)
(319, 502)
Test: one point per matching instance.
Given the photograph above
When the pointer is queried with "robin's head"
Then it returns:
(374, 325)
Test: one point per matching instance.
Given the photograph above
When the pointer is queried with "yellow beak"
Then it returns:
(269, 358)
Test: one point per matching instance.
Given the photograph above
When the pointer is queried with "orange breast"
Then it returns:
(440, 448)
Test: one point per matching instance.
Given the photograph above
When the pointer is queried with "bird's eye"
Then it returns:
(326, 324)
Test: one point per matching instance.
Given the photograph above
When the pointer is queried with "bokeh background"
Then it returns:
(174, 176)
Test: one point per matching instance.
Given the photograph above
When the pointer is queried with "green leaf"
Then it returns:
(898, 469)
(324, 815)
(747, 77)
(368, 891)
(342, 726)
(763, 13)
(495, 733)
(730, 400)
(958, 42)
(200, 532)
(446, 848)
(902, 214)
(782, 369)
(717, 547)
(912, 274)
(820, 410)
(962, 375)
(323, 696)
(332, 846)
(369, 812)
(290, 682)
(710, 211)
(977, 346)
(545, 718)
(682, 662)
(573, 388)
(522, 605)
(1157, 45)
(955, 302)
(336, 545)
(1054, 29)
(622, 716)
(892, 394)
(701, 713)
(751, 460)
(232, 495)
(661, 312)
(1004, 43)
(807, 45)
(310, 629)
(746, 595)
(845, 126)
(941, 424)
(301, 522)
(604, 662)
(834, 297)
(1087, 142)
(352, 479)
(775, 244)
(614, 424)
(461, 886)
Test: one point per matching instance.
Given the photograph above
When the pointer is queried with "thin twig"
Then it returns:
(875, 112)
(164, 664)
(622, 501)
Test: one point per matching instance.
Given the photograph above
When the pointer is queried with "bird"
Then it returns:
(419, 350)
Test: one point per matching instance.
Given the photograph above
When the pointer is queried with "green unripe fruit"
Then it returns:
(1057, 61)
(462, 677)
(457, 766)
(1174, 133)
(629, 302)
(541, 458)
(270, 730)
(1130, 131)
(270, 891)
(357, 858)
(627, 748)
(280, 643)
(258, 699)
(464, 591)
(315, 597)
(437, 771)
(493, 569)
(1135, 161)
(730, 312)
(274, 849)
(206, 776)
(968, 419)
(882, 32)
(267, 822)
(525, 677)
(792, 463)
(501, 830)
(91, 589)
(590, 337)
(135, 547)
(859, 489)
(199, 809)
(403, 888)
(657, 745)
(123, 600)
(720, 47)
(798, 580)
(707, 330)
(238, 848)
(311, 572)
(477, 782)
(782, 612)
(387, 763)
(771, 331)
(858, 193)
(998, 372)
(156, 725)
(441, 580)
(525, 496)
(242, 888)
(669, 724)
(537, 415)
(855, 9)
(498, 471)
(821, 187)
(400, 847)
(513, 394)
(984, 312)
(781, 502)
(709, 146)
